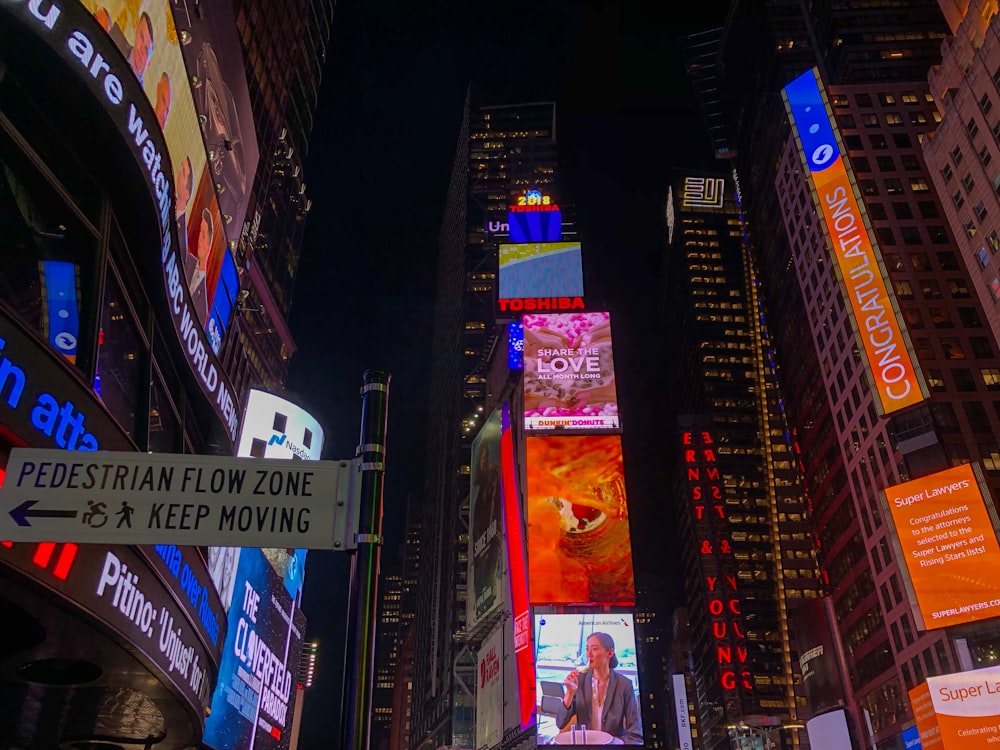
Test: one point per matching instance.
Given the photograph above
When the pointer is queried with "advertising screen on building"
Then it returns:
(889, 357)
(541, 269)
(534, 216)
(812, 622)
(254, 699)
(569, 373)
(946, 530)
(829, 731)
(579, 545)
(486, 538)
(274, 427)
(959, 711)
(683, 711)
(562, 648)
(517, 576)
(148, 39)
(214, 58)
(491, 662)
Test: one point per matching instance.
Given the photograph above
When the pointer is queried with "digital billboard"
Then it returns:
(486, 539)
(541, 269)
(274, 427)
(534, 216)
(945, 526)
(569, 373)
(812, 621)
(214, 61)
(561, 648)
(889, 357)
(254, 699)
(959, 711)
(517, 576)
(579, 545)
(147, 38)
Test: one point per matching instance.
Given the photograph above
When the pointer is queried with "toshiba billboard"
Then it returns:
(889, 356)
(946, 529)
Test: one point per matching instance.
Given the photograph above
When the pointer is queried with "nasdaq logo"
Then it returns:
(277, 439)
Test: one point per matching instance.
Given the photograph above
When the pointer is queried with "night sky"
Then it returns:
(377, 171)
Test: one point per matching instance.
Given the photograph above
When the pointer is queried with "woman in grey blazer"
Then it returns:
(600, 697)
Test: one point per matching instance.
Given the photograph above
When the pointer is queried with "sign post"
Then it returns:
(360, 666)
(122, 497)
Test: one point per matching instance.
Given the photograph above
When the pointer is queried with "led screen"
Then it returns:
(550, 269)
(579, 546)
(534, 217)
(959, 711)
(517, 576)
(149, 53)
(949, 543)
(569, 372)
(254, 698)
(214, 58)
(889, 359)
(561, 648)
(486, 539)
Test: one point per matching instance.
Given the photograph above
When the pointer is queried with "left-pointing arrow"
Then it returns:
(21, 512)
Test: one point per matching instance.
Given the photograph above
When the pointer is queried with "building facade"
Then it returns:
(853, 445)
(742, 515)
(119, 284)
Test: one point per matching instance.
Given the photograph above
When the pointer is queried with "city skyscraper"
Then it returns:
(742, 518)
(853, 443)
(500, 149)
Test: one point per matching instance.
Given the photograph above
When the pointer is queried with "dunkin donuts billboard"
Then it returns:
(569, 373)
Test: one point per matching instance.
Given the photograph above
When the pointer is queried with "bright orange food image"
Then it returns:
(579, 547)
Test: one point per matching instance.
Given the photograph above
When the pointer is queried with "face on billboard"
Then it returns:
(569, 372)
(562, 647)
(949, 545)
(550, 269)
(579, 546)
(889, 359)
(145, 34)
(486, 540)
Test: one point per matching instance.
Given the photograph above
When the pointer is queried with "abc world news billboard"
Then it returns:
(946, 531)
(569, 373)
(889, 358)
(579, 544)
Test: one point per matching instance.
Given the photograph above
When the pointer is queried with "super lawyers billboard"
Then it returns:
(945, 528)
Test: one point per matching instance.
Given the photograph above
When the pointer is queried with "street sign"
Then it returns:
(111, 497)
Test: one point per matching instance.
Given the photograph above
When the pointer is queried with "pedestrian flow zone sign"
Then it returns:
(158, 498)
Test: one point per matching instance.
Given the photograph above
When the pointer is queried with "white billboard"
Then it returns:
(489, 691)
(274, 427)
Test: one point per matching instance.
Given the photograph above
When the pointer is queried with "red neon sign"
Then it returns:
(723, 602)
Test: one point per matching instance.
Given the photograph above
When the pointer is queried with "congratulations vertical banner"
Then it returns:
(888, 353)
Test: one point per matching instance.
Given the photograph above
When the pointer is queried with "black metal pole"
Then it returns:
(359, 665)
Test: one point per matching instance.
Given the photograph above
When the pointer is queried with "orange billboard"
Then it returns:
(959, 711)
(949, 542)
(579, 546)
(888, 354)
